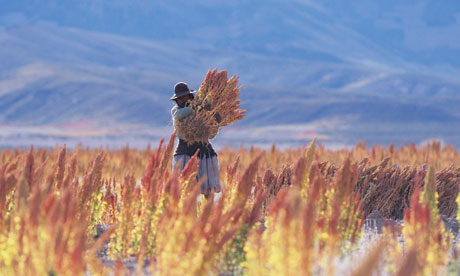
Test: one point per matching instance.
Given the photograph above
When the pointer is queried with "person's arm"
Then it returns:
(180, 113)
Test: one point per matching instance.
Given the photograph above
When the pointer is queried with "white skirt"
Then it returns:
(208, 171)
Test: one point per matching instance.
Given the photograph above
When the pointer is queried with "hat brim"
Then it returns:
(175, 97)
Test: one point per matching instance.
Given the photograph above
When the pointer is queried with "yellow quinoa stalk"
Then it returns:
(393, 249)
(425, 233)
(215, 105)
(458, 204)
(429, 194)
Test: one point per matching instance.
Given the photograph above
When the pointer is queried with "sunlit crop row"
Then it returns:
(293, 212)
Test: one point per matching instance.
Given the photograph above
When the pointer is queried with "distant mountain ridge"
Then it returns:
(101, 73)
(395, 32)
(300, 65)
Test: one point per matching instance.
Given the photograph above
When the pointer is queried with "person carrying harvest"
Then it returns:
(197, 118)
(208, 168)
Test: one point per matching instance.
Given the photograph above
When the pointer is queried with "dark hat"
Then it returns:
(181, 89)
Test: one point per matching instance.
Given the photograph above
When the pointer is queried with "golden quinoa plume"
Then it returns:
(217, 98)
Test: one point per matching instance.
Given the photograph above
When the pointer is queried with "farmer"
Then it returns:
(208, 168)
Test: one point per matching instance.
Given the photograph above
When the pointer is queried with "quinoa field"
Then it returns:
(366, 210)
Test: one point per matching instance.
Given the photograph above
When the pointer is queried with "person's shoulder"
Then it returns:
(174, 108)
(181, 112)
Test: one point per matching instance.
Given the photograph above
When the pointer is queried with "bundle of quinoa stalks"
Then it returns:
(216, 104)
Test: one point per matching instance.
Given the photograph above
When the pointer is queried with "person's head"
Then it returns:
(182, 101)
(182, 94)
